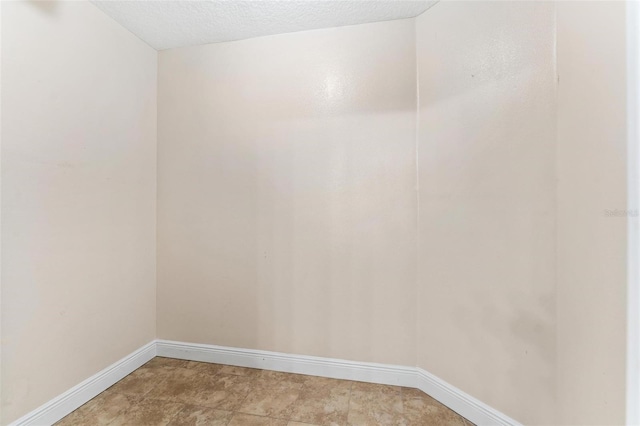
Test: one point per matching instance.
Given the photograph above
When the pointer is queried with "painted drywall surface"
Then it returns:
(591, 220)
(486, 154)
(286, 203)
(78, 189)
(0, 210)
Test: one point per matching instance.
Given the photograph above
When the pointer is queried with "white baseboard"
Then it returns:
(300, 364)
(72, 399)
(460, 402)
(464, 404)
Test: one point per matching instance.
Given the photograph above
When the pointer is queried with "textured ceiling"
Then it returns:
(167, 24)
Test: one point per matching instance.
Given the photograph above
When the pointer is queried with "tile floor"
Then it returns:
(173, 392)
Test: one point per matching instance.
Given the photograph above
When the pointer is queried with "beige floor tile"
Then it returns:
(224, 391)
(189, 386)
(176, 393)
(375, 405)
(141, 381)
(239, 371)
(200, 416)
(176, 386)
(420, 409)
(271, 398)
(101, 410)
(148, 412)
(159, 362)
(204, 367)
(278, 376)
(321, 401)
(72, 419)
(249, 420)
(148, 376)
(376, 388)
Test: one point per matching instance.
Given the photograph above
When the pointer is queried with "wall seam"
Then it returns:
(1, 399)
(155, 318)
(556, 241)
(417, 189)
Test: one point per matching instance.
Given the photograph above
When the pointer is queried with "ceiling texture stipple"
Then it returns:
(175, 23)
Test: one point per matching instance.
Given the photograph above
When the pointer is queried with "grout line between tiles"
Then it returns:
(346, 420)
(253, 379)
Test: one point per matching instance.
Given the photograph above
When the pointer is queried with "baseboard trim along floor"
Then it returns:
(460, 402)
(464, 404)
(63, 404)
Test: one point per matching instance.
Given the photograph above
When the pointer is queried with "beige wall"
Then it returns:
(78, 198)
(286, 204)
(1, 346)
(591, 283)
(300, 211)
(486, 154)
(289, 218)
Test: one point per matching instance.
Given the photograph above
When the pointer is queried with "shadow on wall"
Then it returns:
(48, 6)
